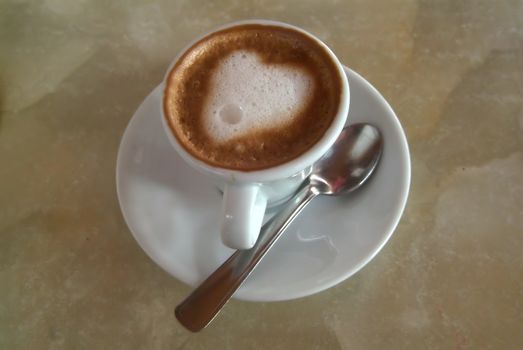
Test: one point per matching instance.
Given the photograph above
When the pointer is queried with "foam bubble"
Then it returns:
(231, 114)
(247, 95)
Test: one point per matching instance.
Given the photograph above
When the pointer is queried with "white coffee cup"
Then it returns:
(247, 194)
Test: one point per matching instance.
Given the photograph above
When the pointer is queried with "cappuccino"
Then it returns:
(252, 96)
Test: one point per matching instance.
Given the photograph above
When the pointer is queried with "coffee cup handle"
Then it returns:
(242, 215)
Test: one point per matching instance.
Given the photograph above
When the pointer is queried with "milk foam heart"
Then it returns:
(247, 95)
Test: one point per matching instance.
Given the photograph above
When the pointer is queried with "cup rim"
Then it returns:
(280, 171)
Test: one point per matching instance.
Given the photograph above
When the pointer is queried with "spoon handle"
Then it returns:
(206, 301)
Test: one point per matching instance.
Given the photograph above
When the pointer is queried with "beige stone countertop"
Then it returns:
(72, 276)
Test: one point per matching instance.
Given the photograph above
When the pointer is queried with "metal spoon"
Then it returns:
(343, 169)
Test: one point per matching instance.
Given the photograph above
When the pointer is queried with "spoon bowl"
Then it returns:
(349, 162)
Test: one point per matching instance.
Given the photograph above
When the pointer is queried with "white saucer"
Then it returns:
(172, 210)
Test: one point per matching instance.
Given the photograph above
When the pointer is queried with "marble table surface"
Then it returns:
(71, 275)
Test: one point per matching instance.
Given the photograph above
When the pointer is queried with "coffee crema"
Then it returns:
(252, 96)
